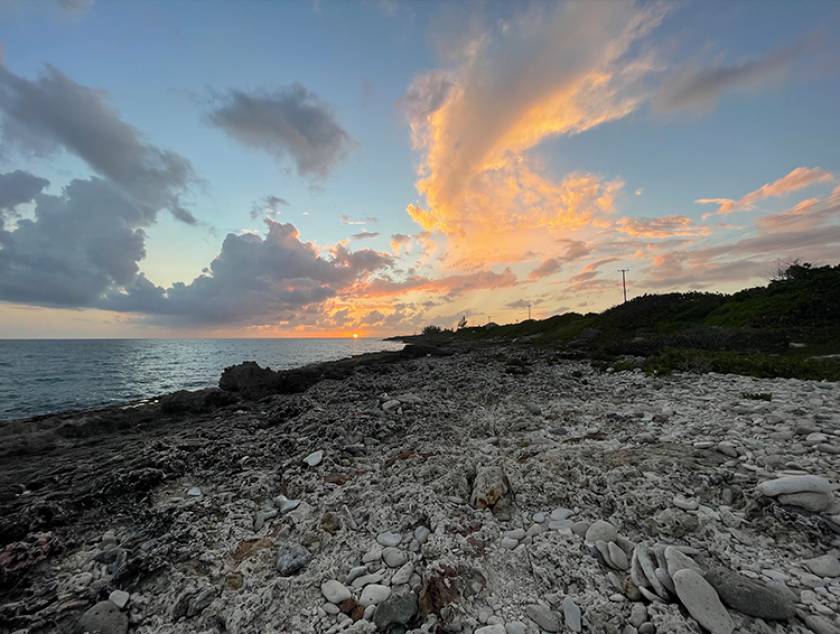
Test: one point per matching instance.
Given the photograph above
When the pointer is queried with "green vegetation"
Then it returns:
(789, 328)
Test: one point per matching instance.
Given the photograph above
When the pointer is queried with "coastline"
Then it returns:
(479, 472)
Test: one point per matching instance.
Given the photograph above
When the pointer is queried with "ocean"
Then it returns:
(42, 376)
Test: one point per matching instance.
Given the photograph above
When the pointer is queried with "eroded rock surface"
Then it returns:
(497, 490)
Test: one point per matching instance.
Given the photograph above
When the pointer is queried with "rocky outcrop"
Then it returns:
(432, 493)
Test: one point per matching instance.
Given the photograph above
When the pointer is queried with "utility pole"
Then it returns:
(624, 282)
(529, 311)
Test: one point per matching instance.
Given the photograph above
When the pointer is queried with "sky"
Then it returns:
(318, 168)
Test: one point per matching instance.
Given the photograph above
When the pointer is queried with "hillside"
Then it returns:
(789, 328)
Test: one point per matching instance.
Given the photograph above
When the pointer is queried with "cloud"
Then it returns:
(268, 206)
(349, 220)
(546, 268)
(290, 123)
(661, 227)
(41, 116)
(449, 286)
(554, 70)
(805, 215)
(18, 188)
(76, 6)
(254, 280)
(796, 179)
(399, 241)
(701, 88)
(364, 235)
(78, 246)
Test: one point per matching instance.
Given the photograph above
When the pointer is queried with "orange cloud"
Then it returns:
(553, 71)
(661, 227)
(796, 179)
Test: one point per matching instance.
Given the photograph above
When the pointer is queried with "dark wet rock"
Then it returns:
(395, 610)
(103, 618)
(752, 597)
(186, 402)
(291, 559)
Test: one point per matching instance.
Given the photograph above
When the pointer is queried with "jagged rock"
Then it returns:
(750, 596)
(490, 487)
(291, 559)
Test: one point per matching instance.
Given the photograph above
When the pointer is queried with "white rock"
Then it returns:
(403, 575)
(374, 594)
(334, 591)
(794, 484)
(491, 629)
(284, 504)
(194, 492)
(421, 534)
(389, 538)
(119, 598)
(677, 561)
(617, 556)
(315, 458)
(394, 557)
(702, 602)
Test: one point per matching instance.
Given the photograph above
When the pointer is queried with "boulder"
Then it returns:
(752, 597)
(103, 618)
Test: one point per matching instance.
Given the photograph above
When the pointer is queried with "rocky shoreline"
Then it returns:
(499, 490)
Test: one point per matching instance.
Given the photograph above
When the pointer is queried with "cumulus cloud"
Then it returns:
(53, 112)
(18, 188)
(796, 179)
(554, 70)
(661, 227)
(254, 279)
(78, 246)
(290, 123)
(701, 88)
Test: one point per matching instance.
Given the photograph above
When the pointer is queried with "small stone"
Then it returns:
(516, 627)
(617, 556)
(421, 534)
(601, 531)
(291, 559)
(403, 575)
(677, 560)
(390, 404)
(284, 504)
(684, 503)
(542, 616)
(330, 608)
(104, 618)
(374, 553)
(561, 513)
(571, 613)
(389, 538)
(638, 615)
(794, 484)
(727, 449)
(314, 459)
(394, 557)
(374, 594)
(702, 602)
(194, 492)
(824, 566)
(538, 517)
(397, 609)
(119, 598)
(361, 582)
(509, 543)
(335, 592)
(810, 501)
(751, 596)
(819, 625)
